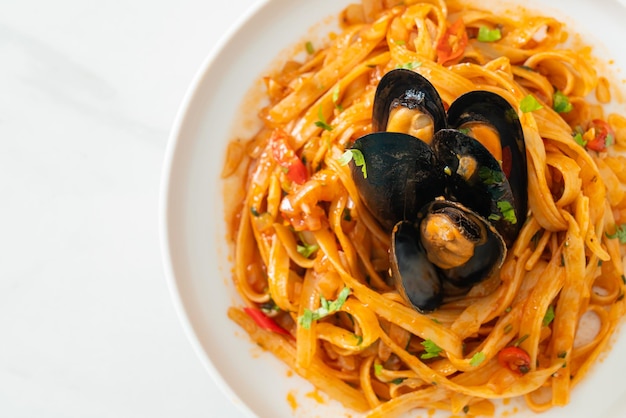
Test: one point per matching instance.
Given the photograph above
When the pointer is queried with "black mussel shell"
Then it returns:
(402, 87)
(489, 246)
(475, 179)
(421, 282)
(402, 176)
(491, 109)
(415, 278)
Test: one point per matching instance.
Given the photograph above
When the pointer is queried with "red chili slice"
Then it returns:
(514, 359)
(286, 157)
(265, 321)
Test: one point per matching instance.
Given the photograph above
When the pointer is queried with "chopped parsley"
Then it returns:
(378, 368)
(309, 48)
(620, 234)
(477, 359)
(488, 35)
(494, 217)
(321, 120)
(508, 328)
(398, 380)
(548, 317)
(410, 65)
(508, 212)
(562, 354)
(432, 350)
(578, 137)
(336, 98)
(489, 176)
(529, 104)
(520, 340)
(327, 307)
(609, 140)
(357, 156)
(254, 211)
(561, 103)
(306, 250)
(359, 339)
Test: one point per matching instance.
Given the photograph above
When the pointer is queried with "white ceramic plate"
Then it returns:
(192, 210)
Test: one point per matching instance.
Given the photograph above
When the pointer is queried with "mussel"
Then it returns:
(453, 200)
(407, 102)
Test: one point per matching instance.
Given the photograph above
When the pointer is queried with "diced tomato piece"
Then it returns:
(451, 45)
(604, 135)
(287, 158)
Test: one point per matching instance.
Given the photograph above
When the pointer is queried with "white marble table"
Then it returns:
(88, 93)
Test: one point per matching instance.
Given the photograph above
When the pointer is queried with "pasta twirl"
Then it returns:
(316, 262)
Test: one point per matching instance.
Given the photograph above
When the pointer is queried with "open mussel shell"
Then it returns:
(487, 245)
(476, 179)
(425, 255)
(406, 88)
(415, 278)
(402, 176)
(490, 109)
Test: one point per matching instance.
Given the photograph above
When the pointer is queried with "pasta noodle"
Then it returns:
(312, 263)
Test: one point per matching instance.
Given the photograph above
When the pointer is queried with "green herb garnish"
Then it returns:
(309, 48)
(410, 65)
(620, 234)
(549, 316)
(335, 94)
(494, 217)
(357, 156)
(327, 307)
(561, 103)
(321, 120)
(508, 212)
(529, 104)
(477, 359)
(488, 35)
(432, 350)
(306, 250)
(378, 368)
(489, 176)
(520, 340)
(578, 137)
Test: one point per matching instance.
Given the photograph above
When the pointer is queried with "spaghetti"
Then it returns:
(312, 264)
